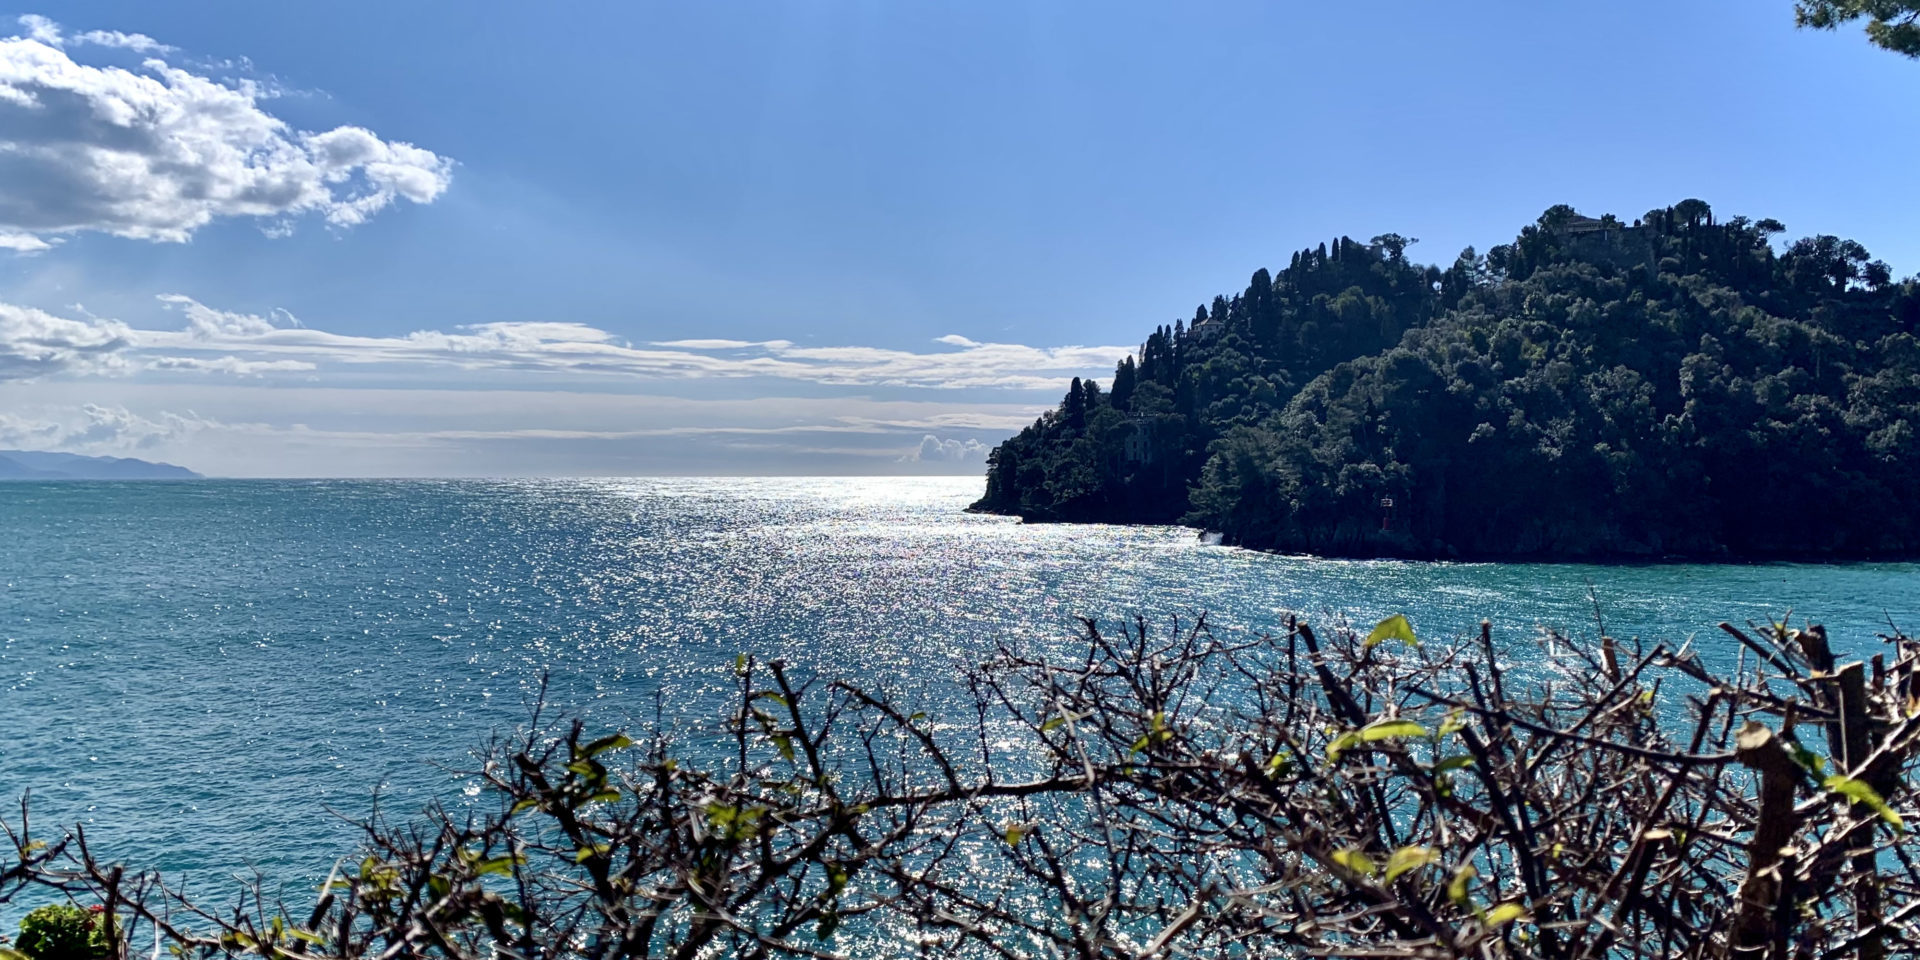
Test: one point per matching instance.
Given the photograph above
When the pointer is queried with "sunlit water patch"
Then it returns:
(200, 670)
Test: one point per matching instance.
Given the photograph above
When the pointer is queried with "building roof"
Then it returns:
(1580, 224)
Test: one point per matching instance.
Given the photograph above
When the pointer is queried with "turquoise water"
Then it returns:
(200, 670)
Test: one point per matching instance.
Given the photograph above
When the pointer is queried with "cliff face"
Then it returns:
(1673, 388)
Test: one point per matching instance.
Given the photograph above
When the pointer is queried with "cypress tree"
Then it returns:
(1123, 379)
(1074, 409)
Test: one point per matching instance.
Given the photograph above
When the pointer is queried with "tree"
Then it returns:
(1554, 398)
(1236, 362)
(1891, 24)
(1124, 376)
(1394, 244)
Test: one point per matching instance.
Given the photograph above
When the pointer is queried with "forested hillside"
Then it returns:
(1592, 389)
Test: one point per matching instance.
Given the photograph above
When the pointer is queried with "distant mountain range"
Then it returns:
(36, 465)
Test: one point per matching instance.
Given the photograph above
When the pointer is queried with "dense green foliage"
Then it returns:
(1591, 389)
(61, 931)
(1130, 453)
(1891, 24)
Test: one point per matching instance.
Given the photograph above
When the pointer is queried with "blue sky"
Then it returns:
(808, 237)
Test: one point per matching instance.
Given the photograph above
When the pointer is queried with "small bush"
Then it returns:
(62, 931)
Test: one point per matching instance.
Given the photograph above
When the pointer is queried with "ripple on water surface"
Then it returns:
(198, 670)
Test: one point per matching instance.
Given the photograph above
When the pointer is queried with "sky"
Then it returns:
(806, 237)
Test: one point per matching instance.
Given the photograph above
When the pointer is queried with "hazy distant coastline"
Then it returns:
(39, 465)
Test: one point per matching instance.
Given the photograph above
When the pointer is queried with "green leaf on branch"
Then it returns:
(500, 865)
(1355, 861)
(1504, 914)
(1391, 730)
(1813, 762)
(1859, 792)
(1341, 744)
(1460, 888)
(1408, 859)
(618, 741)
(1280, 764)
(1395, 627)
(1381, 729)
(307, 935)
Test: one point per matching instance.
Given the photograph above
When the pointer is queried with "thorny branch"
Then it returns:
(1166, 794)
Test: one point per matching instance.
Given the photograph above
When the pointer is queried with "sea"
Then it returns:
(216, 678)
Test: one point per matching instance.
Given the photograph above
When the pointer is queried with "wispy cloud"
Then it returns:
(157, 153)
(34, 343)
(46, 31)
(723, 344)
(230, 365)
(253, 428)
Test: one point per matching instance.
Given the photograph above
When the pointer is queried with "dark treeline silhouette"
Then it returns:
(1592, 389)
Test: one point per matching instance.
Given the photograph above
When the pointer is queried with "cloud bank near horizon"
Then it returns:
(257, 429)
(237, 393)
(36, 343)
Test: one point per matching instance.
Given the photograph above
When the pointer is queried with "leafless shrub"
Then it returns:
(1168, 794)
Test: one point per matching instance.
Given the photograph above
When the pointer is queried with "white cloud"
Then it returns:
(34, 343)
(205, 322)
(955, 340)
(42, 29)
(137, 42)
(553, 348)
(97, 429)
(723, 344)
(997, 419)
(229, 364)
(46, 31)
(932, 449)
(157, 153)
(22, 242)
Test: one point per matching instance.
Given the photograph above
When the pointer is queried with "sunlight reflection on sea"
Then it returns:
(200, 670)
